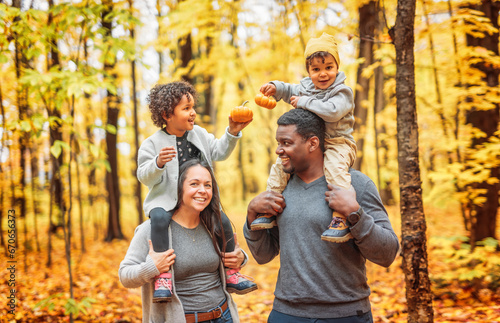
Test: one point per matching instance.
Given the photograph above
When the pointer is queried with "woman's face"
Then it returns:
(196, 189)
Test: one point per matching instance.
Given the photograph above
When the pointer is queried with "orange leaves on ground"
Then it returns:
(96, 277)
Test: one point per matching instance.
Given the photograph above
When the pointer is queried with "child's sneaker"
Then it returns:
(338, 231)
(238, 283)
(163, 288)
(263, 221)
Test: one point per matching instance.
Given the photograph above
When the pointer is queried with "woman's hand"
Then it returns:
(234, 259)
(163, 260)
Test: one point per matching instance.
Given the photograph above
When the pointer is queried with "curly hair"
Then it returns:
(163, 98)
(308, 124)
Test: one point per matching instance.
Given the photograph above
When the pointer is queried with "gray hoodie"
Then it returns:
(335, 105)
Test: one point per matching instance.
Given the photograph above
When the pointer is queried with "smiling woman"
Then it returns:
(195, 271)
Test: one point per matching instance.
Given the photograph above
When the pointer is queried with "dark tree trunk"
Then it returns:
(2, 174)
(56, 135)
(484, 217)
(413, 225)
(367, 26)
(112, 182)
(22, 105)
(138, 187)
(186, 54)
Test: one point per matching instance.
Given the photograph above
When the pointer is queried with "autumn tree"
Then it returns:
(482, 114)
(113, 102)
(413, 224)
(368, 22)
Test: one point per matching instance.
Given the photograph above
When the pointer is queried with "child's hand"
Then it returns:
(166, 155)
(236, 127)
(268, 89)
(294, 100)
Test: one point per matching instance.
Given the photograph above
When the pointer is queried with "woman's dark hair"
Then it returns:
(211, 215)
(163, 98)
(308, 124)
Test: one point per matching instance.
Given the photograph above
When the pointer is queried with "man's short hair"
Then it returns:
(308, 124)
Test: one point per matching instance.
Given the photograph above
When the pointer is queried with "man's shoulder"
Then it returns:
(358, 178)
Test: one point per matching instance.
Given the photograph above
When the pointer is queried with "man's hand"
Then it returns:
(236, 127)
(235, 258)
(267, 202)
(163, 260)
(342, 200)
(166, 154)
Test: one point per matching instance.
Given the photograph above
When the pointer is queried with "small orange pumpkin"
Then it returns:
(267, 102)
(241, 113)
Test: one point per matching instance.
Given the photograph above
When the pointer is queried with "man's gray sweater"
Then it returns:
(320, 279)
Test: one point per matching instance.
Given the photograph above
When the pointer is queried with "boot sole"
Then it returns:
(262, 226)
(345, 238)
(162, 300)
(242, 292)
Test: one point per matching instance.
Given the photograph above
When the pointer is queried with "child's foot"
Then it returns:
(338, 231)
(263, 221)
(163, 288)
(238, 283)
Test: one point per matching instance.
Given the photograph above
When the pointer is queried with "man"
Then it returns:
(319, 281)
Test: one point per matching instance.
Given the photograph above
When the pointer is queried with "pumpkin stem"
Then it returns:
(244, 103)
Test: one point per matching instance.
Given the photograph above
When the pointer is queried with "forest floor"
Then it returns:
(41, 293)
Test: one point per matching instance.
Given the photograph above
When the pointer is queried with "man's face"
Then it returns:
(292, 149)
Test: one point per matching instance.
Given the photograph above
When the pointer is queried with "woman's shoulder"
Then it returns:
(144, 228)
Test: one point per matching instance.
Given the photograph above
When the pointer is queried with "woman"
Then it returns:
(197, 269)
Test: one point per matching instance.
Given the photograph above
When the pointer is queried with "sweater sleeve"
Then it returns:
(373, 234)
(263, 244)
(138, 267)
(284, 91)
(148, 172)
(331, 110)
(221, 149)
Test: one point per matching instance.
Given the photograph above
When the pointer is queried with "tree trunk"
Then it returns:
(112, 182)
(367, 27)
(186, 54)
(55, 135)
(22, 105)
(413, 225)
(34, 189)
(483, 224)
(138, 187)
(3, 176)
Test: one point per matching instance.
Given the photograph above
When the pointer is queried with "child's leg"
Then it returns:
(160, 221)
(277, 177)
(235, 282)
(228, 233)
(276, 182)
(339, 156)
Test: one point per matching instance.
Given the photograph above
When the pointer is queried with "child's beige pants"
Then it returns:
(340, 154)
